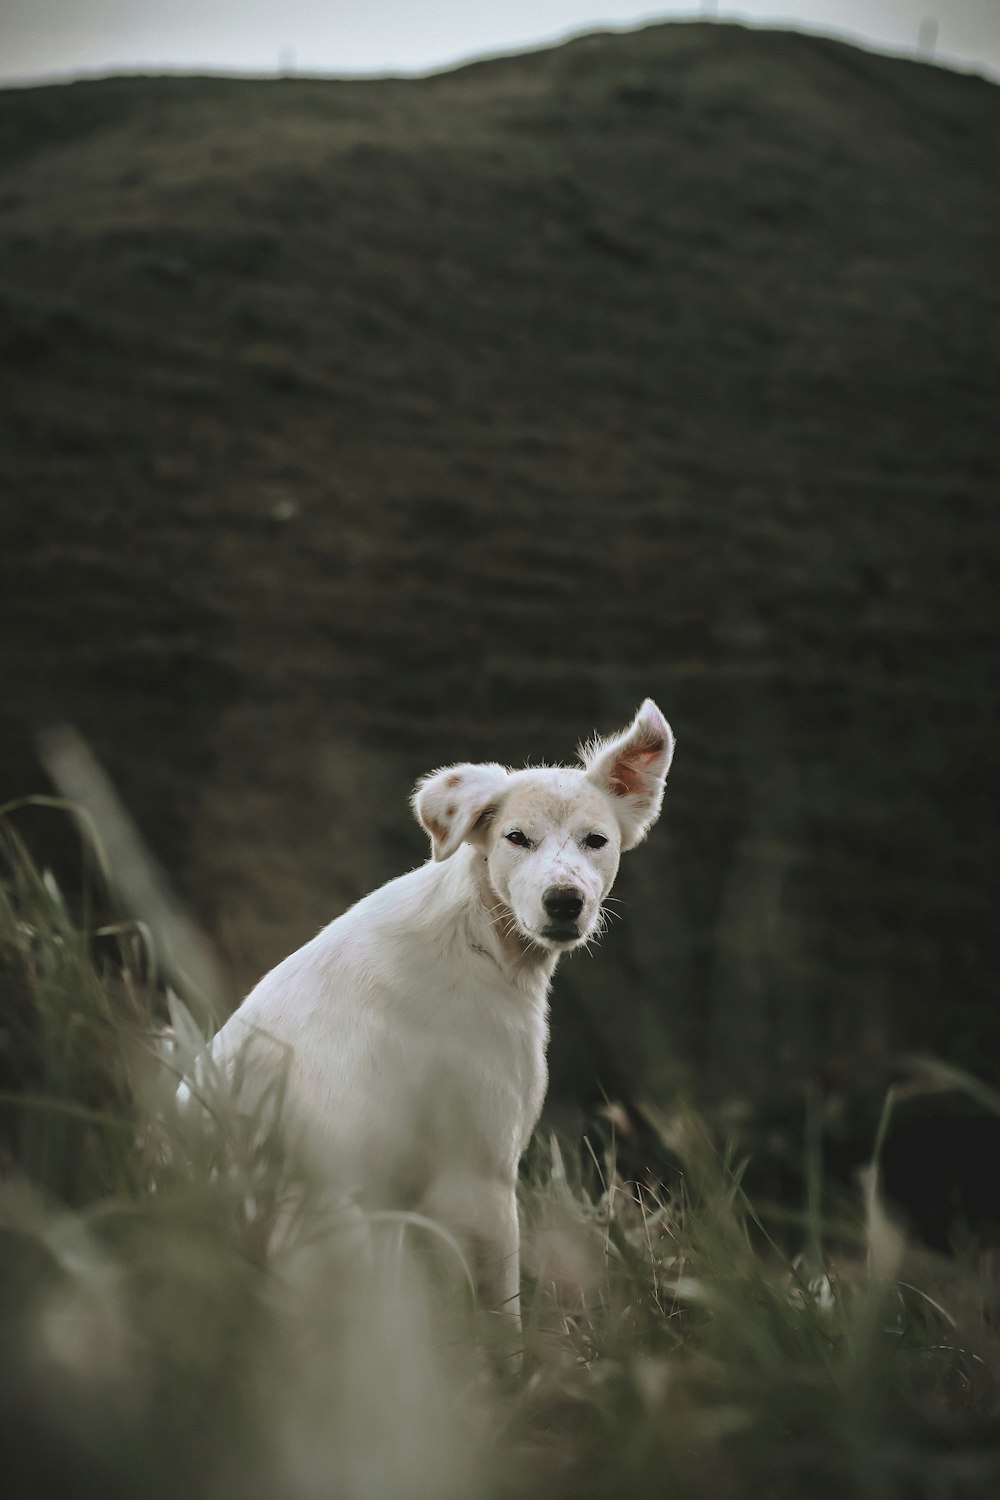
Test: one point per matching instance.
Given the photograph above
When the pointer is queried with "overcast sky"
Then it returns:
(61, 38)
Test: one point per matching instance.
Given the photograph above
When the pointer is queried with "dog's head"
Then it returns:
(552, 837)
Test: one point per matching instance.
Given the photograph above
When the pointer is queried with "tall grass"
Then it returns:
(182, 1311)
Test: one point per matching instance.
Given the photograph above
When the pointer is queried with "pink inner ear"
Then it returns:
(628, 775)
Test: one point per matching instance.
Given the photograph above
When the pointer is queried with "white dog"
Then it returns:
(415, 1025)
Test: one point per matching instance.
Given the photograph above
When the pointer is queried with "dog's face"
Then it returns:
(551, 838)
(552, 852)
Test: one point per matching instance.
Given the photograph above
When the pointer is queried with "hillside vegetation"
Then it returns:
(349, 428)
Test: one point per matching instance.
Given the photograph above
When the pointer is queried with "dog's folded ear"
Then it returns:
(632, 767)
(457, 804)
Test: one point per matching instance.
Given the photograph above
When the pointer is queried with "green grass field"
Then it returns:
(184, 1313)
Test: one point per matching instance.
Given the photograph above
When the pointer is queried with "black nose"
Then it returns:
(563, 903)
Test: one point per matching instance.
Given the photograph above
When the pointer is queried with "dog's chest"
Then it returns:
(492, 1047)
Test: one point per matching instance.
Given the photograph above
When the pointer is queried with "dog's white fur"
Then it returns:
(414, 1027)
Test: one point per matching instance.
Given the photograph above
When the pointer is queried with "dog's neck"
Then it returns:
(494, 931)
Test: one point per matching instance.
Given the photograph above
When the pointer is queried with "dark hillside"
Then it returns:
(350, 428)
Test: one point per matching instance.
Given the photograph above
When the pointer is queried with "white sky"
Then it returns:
(61, 38)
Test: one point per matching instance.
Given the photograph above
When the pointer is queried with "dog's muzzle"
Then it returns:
(563, 905)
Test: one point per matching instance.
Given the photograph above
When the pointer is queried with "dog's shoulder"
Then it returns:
(359, 950)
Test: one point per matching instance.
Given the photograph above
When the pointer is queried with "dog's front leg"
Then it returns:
(499, 1259)
(498, 1275)
(482, 1214)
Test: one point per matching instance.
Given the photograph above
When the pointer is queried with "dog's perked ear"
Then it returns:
(458, 804)
(632, 767)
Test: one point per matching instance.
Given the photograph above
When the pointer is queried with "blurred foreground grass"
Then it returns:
(183, 1312)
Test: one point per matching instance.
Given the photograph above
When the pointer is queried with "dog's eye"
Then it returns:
(594, 841)
(517, 837)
